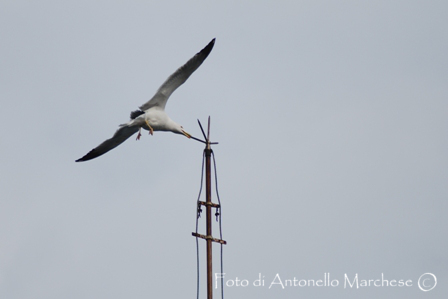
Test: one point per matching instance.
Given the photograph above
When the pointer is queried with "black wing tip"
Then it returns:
(82, 159)
(211, 43)
(89, 156)
(208, 48)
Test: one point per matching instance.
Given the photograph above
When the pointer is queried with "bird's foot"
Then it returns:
(151, 130)
(139, 134)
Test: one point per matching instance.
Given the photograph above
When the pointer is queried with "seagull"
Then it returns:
(151, 116)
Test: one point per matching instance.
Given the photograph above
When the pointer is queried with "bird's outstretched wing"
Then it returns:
(123, 133)
(178, 78)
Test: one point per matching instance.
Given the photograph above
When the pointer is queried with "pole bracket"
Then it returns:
(209, 238)
(211, 204)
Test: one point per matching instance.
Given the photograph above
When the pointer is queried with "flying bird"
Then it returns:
(151, 116)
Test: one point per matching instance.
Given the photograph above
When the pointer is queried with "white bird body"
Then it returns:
(157, 119)
(152, 116)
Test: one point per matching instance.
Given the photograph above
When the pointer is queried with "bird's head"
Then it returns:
(176, 128)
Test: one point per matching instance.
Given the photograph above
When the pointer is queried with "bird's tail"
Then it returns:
(136, 113)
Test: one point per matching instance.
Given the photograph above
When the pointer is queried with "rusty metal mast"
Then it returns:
(208, 210)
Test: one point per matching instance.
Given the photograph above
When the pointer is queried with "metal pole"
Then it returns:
(208, 190)
(208, 200)
(208, 208)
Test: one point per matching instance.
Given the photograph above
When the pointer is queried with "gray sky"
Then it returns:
(331, 118)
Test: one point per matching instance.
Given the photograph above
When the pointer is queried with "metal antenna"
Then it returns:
(202, 129)
(208, 208)
(203, 134)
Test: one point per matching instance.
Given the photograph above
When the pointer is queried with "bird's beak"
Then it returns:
(186, 134)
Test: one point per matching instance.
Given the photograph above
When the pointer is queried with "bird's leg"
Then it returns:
(139, 134)
(151, 131)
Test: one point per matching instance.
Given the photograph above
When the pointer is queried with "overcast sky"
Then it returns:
(331, 118)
